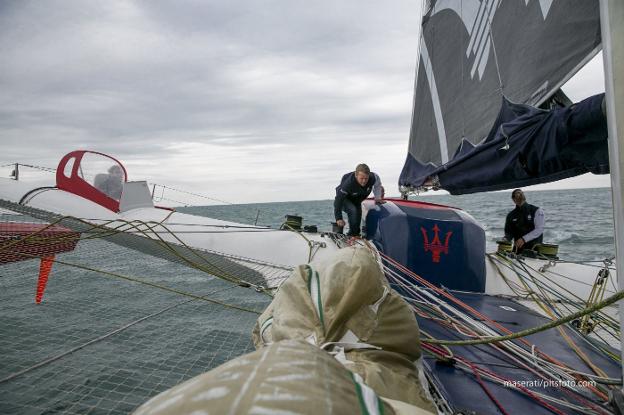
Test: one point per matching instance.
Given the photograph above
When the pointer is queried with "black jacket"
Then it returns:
(521, 221)
(350, 189)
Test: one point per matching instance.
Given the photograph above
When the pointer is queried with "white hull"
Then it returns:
(566, 278)
(281, 248)
(289, 249)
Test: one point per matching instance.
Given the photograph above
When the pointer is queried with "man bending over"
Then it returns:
(353, 189)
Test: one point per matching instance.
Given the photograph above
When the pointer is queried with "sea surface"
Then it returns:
(580, 221)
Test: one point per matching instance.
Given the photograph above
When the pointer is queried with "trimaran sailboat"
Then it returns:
(474, 55)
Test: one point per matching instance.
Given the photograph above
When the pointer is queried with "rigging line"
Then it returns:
(161, 242)
(151, 284)
(103, 337)
(208, 232)
(207, 225)
(447, 295)
(596, 342)
(500, 81)
(151, 225)
(512, 351)
(599, 343)
(557, 299)
(603, 380)
(311, 251)
(586, 263)
(540, 398)
(514, 267)
(548, 271)
(597, 346)
(559, 275)
(457, 311)
(184, 204)
(173, 290)
(555, 323)
(483, 329)
(572, 344)
(194, 194)
(173, 234)
(485, 388)
(554, 374)
(221, 273)
(48, 169)
(575, 331)
(525, 267)
(171, 212)
(507, 383)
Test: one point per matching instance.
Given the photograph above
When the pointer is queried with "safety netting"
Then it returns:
(115, 326)
(153, 238)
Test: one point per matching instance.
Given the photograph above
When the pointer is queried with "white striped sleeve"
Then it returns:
(539, 226)
(377, 187)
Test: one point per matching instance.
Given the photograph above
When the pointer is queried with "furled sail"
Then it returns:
(482, 67)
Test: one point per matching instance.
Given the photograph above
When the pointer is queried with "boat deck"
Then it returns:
(466, 393)
(100, 344)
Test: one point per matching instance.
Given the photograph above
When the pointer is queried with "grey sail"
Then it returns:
(483, 66)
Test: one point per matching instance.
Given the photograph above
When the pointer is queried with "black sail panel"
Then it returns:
(472, 55)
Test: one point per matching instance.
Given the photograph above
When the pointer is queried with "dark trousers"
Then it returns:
(354, 212)
(531, 244)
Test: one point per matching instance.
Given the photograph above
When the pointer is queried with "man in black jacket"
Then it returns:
(353, 189)
(525, 224)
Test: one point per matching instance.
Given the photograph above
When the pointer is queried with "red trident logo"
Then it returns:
(436, 246)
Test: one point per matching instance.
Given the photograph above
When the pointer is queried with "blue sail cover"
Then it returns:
(526, 146)
(477, 60)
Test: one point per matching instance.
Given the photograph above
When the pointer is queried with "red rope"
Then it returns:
(442, 353)
(502, 328)
(485, 389)
(522, 388)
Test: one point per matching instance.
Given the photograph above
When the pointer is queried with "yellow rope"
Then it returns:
(597, 294)
(105, 231)
(564, 335)
(494, 339)
(161, 287)
(151, 284)
(541, 303)
(308, 241)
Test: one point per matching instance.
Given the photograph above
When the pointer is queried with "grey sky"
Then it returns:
(239, 100)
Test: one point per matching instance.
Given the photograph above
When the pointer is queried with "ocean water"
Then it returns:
(580, 221)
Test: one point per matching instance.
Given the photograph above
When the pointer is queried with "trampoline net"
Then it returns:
(102, 344)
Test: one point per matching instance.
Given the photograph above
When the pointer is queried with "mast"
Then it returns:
(612, 28)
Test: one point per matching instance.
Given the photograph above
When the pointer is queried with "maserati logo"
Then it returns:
(435, 246)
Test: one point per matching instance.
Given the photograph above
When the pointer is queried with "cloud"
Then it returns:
(243, 101)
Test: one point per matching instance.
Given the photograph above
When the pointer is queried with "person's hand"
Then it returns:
(340, 223)
(379, 201)
(519, 243)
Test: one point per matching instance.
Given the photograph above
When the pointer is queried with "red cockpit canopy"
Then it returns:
(95, 176)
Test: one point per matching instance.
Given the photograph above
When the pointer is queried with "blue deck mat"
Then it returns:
(463, 391)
